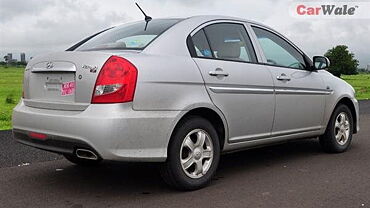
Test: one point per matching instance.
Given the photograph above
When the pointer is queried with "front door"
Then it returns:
(300, 93)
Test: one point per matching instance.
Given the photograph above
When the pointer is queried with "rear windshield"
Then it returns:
(128, 36)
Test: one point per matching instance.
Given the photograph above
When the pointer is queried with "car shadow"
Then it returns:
(144, 178)
(270, 155)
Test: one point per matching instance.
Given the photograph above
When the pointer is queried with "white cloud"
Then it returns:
(35, 26)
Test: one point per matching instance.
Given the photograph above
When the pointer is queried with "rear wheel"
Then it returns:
(338, 134)
(193, 155)
(82, 162)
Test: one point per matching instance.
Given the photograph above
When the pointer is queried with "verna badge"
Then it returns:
(91, 68)
(49, 65)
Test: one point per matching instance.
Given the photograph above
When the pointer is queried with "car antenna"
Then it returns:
(147, 18)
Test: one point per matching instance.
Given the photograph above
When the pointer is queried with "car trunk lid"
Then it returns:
(63, 80)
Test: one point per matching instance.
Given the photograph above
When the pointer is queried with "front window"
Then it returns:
(277, 51)
(128, 36)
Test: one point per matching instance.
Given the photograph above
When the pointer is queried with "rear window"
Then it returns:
(128, 36)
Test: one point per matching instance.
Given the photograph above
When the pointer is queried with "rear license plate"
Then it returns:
(56, 86)
(68, 88)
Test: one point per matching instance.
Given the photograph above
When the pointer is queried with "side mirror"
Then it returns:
(321, 62)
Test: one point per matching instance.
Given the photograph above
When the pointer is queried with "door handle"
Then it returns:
(218, 72)
(283, 77)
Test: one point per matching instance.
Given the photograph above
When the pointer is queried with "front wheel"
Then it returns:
(193, 154)
(338, 134)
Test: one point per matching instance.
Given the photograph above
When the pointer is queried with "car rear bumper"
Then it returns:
(113, 131)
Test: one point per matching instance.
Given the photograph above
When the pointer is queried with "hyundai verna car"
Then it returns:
(181, 92)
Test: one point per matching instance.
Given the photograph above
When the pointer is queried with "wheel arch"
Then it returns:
(349, 103)
(214, 116)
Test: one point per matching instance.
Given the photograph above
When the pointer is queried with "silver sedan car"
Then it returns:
(181, 92)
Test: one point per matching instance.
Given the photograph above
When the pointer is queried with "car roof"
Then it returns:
(200, 19)
(222, 17)
(207, 18)
(215, 17)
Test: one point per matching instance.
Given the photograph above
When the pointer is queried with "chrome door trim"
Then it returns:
(256, 90)
(242, 90)
(302, 91)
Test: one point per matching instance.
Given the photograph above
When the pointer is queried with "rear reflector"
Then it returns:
(37, 135)
(116, 82)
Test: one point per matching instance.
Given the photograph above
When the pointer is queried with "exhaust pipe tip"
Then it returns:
(86, 154)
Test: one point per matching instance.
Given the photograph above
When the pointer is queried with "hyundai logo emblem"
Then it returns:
(49, 65)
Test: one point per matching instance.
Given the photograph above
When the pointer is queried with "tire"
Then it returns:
(181, 175)
(82, 162)
(336, 139)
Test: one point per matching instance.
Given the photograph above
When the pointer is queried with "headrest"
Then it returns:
(229, 50)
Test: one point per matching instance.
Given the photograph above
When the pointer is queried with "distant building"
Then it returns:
(23, 57)
(10, 57)
(368, 68)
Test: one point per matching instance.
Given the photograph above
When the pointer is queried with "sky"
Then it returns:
(41, 26)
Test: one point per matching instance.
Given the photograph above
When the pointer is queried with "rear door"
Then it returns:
(241, 89)
(300, 92)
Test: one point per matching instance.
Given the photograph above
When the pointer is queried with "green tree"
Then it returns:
(342, 61)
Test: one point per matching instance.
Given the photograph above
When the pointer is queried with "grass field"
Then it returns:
(361, 83)
(11, 90)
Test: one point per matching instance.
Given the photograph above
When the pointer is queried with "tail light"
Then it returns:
(116, 82)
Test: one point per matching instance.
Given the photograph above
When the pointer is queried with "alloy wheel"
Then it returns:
(196, 153)
(342, 128)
